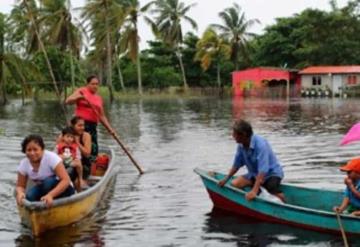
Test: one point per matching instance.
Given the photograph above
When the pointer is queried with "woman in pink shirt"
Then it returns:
(92, 114)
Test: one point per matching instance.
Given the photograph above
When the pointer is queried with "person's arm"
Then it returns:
(64, 178)
(238, 162)
(352, 187)
(78, 154)
(255, 189)
(20, 188)
(75, 96)
(231, 173)
(343, 205)
(85, 148)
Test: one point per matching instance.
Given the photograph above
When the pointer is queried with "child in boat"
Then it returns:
(351, 201)
(69, 151)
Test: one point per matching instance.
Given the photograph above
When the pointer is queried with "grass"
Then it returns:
(129, 94)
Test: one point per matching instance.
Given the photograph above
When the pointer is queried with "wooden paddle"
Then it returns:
(346, 244)
(117, 139)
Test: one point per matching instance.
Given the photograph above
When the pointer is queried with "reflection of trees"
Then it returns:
(300, 116)
(321, 116)
(125, 117)
(166, 117)
(250, 232)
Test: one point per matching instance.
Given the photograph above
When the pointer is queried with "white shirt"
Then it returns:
(48, 163)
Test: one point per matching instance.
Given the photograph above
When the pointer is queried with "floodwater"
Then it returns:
(168, 205)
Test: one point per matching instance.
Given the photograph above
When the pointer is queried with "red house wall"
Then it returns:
(257, 75)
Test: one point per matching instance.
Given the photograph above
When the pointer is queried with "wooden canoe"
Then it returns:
(308, 208)
(65, 211)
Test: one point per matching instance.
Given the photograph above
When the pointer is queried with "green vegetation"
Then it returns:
(43, 46)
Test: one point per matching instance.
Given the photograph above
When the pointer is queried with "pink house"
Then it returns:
(266, 81)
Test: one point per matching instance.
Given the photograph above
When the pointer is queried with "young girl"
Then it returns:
(351, 201)
(69, 151)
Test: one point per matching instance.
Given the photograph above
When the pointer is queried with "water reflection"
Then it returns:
(223, 226)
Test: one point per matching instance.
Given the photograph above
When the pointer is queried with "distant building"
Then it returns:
(332, 78)
(266, 81)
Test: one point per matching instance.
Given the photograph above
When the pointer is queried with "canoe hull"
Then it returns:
(40, 219)
(233, 199)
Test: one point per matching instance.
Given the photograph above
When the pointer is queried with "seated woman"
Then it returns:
(45, 169)
(83, 139)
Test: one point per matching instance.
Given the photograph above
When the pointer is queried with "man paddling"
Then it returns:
(256, 154)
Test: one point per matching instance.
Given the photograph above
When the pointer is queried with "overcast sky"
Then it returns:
(206, 11)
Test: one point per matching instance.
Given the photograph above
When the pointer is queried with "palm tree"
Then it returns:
(235, 29)
(167, 25)
(212, 48)
(11, 65)
(106, 18)
(130, 36)
(60, 30)
(23, 30)
(29, 6)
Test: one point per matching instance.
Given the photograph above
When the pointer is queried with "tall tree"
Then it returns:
(212, 48)
(167, 26)
(130, 36)
(60, 30)
(105, 18)
(11, 65)
(30, 8)
(235, 29)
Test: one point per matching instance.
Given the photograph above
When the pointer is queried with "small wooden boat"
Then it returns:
(305, 207)
(65, 211)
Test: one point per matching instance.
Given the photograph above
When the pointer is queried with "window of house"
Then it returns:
(352, 79)
(316, 80)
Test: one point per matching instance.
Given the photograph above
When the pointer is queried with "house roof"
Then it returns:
(264, 68)
(331, 70)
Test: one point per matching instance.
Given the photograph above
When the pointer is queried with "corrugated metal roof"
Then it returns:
(331, 69)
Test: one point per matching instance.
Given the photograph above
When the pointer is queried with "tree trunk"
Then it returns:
(120, 76)
(138, 65)
(2, 82)
(218, 76)
(72, 71)
(108, 59)
(178, 54)
(2, 73)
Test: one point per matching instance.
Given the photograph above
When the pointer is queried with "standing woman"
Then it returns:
(45, 169)
(92, 114)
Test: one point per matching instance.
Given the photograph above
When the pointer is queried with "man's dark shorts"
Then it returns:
(272, 184)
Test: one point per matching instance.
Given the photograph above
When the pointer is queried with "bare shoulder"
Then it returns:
(86, 136)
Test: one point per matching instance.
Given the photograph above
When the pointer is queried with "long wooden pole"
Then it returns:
(346, 244)
(117, 139)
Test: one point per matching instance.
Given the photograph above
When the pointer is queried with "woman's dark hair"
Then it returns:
(242, 127)
(89, 78)
(32, 138)
(75, 120)
(68, 131)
